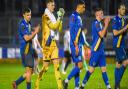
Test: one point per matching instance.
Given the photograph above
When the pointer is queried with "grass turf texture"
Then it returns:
(11, 70)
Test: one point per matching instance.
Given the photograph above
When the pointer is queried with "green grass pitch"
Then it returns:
(10, 71)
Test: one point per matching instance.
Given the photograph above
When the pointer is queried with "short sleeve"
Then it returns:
(23, 29)
(97, 26)
(114, 24)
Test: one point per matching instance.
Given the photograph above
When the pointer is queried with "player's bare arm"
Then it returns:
(118, 32)
(106, 23)
(29, 37)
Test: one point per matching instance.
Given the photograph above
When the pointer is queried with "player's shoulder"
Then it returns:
(75, 16)
(95, 22)
(45, 16)
(22, 24)
(115, 18)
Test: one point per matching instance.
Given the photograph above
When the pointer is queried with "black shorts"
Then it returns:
(35, 54)
(67, 55)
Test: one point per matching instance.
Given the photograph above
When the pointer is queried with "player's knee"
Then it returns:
(80, 65)
(28, 76)
(125, 63)
(118, 65)
(56, 67)
(91, 69)
(103, 69)
(44, 69)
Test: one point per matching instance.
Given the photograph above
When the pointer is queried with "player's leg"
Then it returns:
(77, 59)
(18, 81)
(55, 60)
(77, 75)
(57, 73)
(93, 63)
(64, 61)
(77, 79)
(120, 65)
(87, 76)
(117, 68)
(22, 77)
(74, 73)
(124, 63)
(46, 62)
(28, 73)
(39, 56)
(36, 68)
(29, 69)
(43, 70)
(28, 63)
(105, 77)
(123, 68)
(119, 71)
(102, 64)
(35, 61)
(68, 56)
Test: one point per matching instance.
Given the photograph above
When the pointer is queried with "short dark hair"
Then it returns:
(80, 2)
(26, 10)
(120, 4)
(48, 1)
(98, 9)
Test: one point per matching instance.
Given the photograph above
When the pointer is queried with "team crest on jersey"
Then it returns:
(22, 27)
(97, 25)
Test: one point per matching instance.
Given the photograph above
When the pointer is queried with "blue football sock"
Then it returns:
(74, 71)
(20, 80)
(105, 78)
(28, 85)
(122, 70)
(87, 76)
(117, 76)
(77, 79)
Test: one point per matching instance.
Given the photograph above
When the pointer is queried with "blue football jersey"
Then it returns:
(117, 24)
(24, 29)
(97, 41)
(75, 25)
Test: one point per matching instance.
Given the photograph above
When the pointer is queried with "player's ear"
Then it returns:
(23, 14)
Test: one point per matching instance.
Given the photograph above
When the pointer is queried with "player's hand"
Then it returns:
(77, 50)
(106, 21)
(87, 52)
(60, 13)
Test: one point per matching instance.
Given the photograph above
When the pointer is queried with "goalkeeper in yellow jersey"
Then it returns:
(50, 27)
